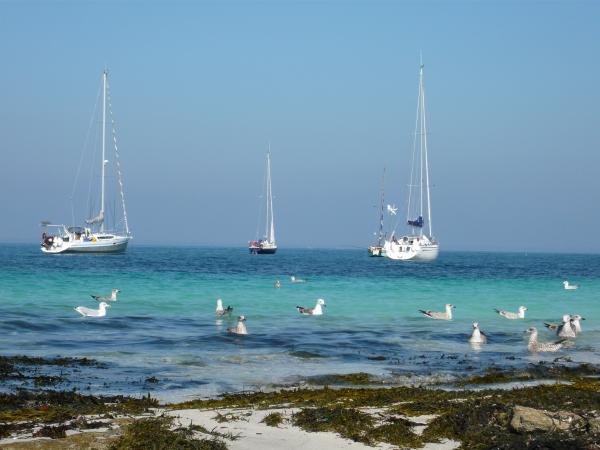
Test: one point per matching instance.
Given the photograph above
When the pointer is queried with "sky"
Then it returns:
(199, 89)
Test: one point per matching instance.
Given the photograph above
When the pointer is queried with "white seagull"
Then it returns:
(535, 346)
(112, 298)
(570, 287)
(439, 315)
(293, 279)
(220, 311)
(392, 209)
(89, 312)
(478, 336)
(240, 328)
(512, 315)
(566, 329)
(316, 311)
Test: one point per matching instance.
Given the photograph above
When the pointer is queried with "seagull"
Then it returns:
(316, 311)
(575, 322)
(89, 312)
(478, 336)
(535, 346)
(512, 315)
(277, 284)
(570, 287)
(220, 311)
(439, 315)
(392, 209)
(293, 279)
(566, 329)
(240, 327)
(112, 298)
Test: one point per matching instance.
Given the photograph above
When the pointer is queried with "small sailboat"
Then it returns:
(267, 244)
(377, 249)
(93, 237)
(417, 246)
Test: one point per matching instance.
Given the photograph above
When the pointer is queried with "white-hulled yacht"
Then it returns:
(94, 237)
(417, 245)
(266, 245)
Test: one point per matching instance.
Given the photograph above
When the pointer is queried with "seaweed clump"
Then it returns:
(25, 409)
(483, 422)
(273, 419)
(348, 422)
(156, 434)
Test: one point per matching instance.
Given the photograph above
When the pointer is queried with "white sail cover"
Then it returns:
(98, 219)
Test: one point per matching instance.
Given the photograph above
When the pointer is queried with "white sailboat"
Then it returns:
(377, 249)
(417, 245)
(93, 237)
(267, 244)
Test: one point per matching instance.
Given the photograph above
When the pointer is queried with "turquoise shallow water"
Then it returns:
(163, 323)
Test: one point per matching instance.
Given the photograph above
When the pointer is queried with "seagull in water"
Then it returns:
(316, 311)
(570, 287)
(240, 328)
(566, 329)
(575, 322)
(439, 315)
(477, 336)
(512, 315)
(220, 311)
(112, 298)
(277, 284)
(293, 279)
(536, 346)
(89, 312)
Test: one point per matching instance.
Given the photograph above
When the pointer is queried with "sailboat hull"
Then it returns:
(401, 251)
(264, 251)
(112, 245)
(376, 251)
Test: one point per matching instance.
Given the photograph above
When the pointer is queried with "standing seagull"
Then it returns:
(240, 328)
(112, 298)
(316, 311)
(566, 329)
(88, 312)
(220, 311)
(478, 336)
(535, 346)
(570, 287)
(512, 315)
(439, 315)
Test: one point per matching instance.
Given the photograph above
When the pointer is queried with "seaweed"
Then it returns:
(343, 379)
(396, 431)
(273, 419)
(156, 434)
(348, 422)
(56, 432)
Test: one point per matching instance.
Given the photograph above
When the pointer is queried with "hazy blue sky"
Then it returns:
(200, 87)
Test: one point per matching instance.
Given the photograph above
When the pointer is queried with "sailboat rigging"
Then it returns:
(417, 245)
(267, 244)
(94, 237)
(377, 249)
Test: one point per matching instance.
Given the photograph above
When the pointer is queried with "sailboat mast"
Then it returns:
(270, 223)
(103, 148)
(380, 236)
(425, 153)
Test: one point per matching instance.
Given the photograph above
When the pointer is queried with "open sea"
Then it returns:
(164, 326)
